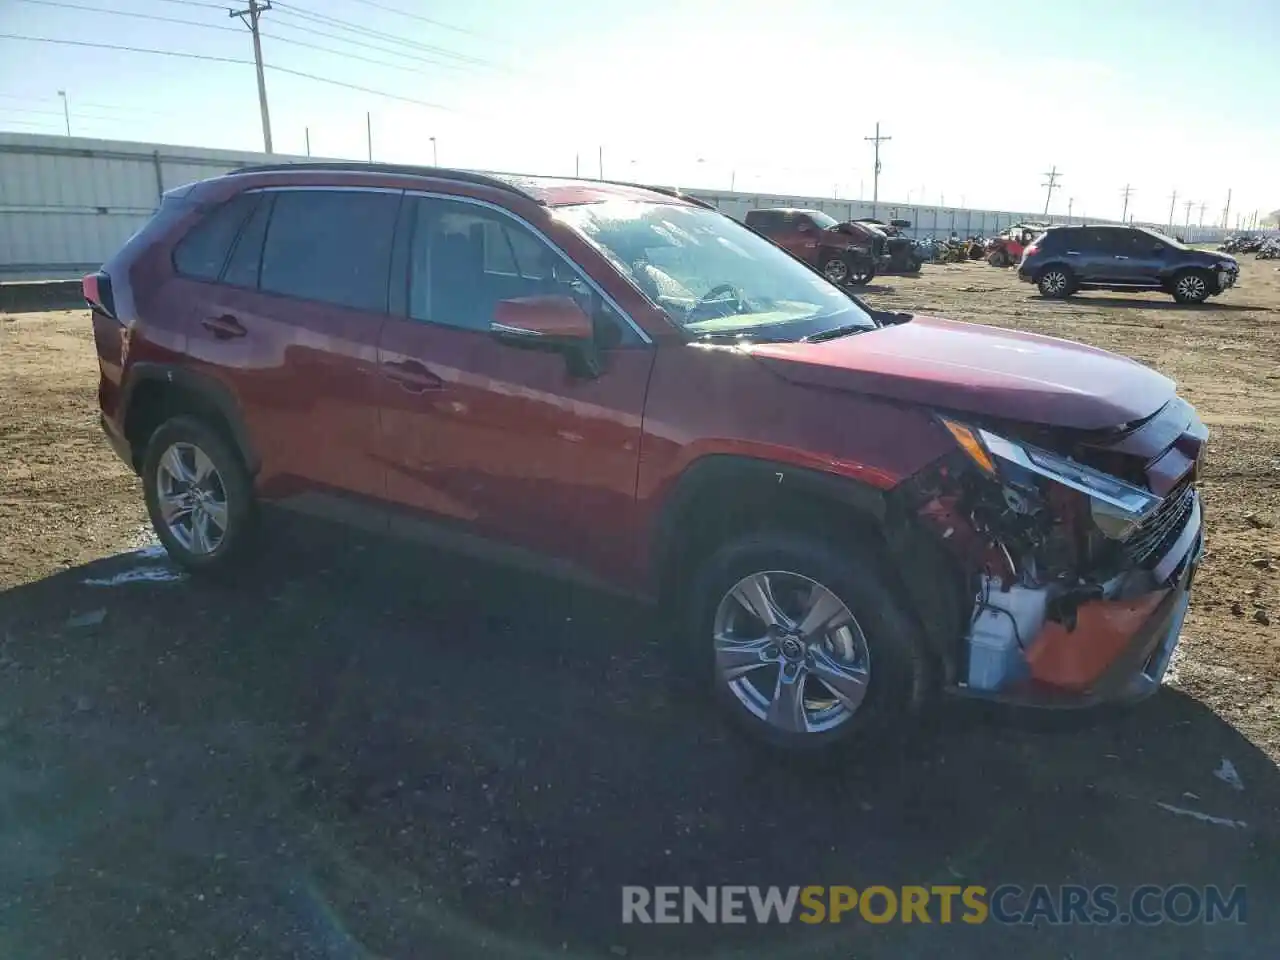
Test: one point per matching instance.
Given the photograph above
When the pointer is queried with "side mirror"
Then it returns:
(554, 323)
(546, 321)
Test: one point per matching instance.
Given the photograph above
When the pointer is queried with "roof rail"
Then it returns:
(399, 169)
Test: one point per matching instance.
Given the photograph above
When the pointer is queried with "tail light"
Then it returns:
(97, 293)
(1029, 250)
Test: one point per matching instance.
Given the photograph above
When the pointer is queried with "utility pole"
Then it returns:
(875, 183)
(1071, 202)
(1226, 210)
(1127, 192)
(1202, 207)
(308, 135)
(1053, 176)
(1173, 202)
(66, 110)
(1189, 205)
(368, 132)
(577, 163)
(435, 154)
(600, 162)
(255, 10)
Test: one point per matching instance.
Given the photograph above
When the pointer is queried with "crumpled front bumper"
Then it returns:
(1118, 649)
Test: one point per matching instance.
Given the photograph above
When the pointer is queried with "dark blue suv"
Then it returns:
(1067, 259)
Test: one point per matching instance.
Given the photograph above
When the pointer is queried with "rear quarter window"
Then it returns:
(203, 251)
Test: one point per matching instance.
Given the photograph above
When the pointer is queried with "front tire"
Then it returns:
(1055, 283)
(1192, 286)
(199, 494)
(837, 268)
(805, 646)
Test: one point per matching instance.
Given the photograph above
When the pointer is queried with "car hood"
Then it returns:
(981, 370)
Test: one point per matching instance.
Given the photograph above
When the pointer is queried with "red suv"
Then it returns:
(850, 510)
(845, 253)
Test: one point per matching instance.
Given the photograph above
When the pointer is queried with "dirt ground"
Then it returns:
(362, 750)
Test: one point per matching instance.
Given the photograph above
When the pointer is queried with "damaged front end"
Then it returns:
(1077, 549)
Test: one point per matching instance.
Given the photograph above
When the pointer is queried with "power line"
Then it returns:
(279, 39)
(213, 59)
(127, 13)
(344, 54)
(335, 22)
(418, 16)
(198, 3)
(358, 43)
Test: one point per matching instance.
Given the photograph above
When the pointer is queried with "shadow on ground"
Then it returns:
(1157, 302)
(360, 750)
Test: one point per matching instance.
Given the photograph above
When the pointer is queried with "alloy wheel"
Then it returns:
(1192, 287)
(192, 498)
(791, 652)
(837, 271)
(1054, 282)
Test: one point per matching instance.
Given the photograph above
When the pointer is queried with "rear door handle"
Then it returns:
(224, 327)
(1121, 257)
(1073, 253)
(412, 375)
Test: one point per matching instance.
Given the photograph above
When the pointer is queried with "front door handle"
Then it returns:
(1073, 253)
(1121, 257)
(224, 327)
(412, 375)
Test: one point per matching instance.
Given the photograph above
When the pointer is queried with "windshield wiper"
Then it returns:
(834, 333)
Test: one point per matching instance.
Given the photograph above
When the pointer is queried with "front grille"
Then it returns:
(1158, 532)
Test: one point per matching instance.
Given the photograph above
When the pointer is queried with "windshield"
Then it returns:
(824, 221)
(712, 275)
(1163, 239)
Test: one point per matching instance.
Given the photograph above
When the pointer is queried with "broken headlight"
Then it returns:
(1117, 507)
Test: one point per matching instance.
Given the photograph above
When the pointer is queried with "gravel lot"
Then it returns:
(364, 750)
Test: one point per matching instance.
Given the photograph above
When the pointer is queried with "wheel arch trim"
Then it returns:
(208, 388)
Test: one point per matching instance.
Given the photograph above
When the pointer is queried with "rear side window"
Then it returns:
(203, 251)
(246, 257)
(762, 219)
(1055, 240)
(331, 245)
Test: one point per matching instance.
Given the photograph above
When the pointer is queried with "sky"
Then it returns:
(980, 99)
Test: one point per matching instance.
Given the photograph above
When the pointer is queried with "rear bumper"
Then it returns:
(118, 442)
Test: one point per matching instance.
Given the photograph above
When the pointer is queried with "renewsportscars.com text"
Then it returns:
(1147, 904)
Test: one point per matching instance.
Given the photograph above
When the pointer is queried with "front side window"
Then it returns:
(465, 258)
(331, 245)
(712, 275)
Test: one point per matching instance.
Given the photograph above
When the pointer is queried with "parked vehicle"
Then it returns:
(847, 510)
(903, 254)
(844, 252)
(1007, 249)
(1067, 259)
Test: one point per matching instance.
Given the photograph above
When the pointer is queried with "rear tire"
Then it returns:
(199, 495)
(869, 647)
(1192, 286)
(1055, 282)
